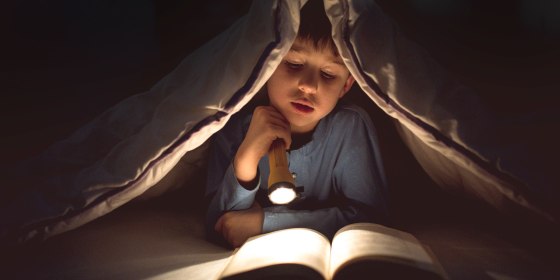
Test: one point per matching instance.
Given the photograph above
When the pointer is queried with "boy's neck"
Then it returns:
(300, 139)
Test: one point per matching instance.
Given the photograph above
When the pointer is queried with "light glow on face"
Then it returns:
(310, 77)
(282, 195)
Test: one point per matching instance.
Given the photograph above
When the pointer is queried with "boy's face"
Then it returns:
(307, 85)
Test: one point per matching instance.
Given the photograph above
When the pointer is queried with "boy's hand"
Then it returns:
(237, 226)
(266, 126)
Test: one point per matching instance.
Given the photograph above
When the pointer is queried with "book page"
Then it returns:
(377, 242)
(290, 246)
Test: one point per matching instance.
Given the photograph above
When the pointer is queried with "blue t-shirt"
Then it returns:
(340, 170)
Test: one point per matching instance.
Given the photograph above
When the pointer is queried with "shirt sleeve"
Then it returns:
(223, 190)
(359, 185)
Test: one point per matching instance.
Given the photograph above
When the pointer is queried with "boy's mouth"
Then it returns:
(302, 107)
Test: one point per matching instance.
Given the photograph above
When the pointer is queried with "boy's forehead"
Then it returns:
(305, 48)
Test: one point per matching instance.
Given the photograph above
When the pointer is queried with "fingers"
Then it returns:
(282, 133)
(219, 224)
(273, 112)
(267, 114)
(222, 228)
(276, 123)
(237, 226)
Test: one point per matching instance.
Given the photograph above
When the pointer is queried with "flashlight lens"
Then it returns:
(282, 195)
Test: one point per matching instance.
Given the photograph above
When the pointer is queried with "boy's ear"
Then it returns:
(347, 85)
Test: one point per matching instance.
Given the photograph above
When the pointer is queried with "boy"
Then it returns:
(332, 148)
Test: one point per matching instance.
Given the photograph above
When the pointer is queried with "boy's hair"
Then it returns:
(315, 26)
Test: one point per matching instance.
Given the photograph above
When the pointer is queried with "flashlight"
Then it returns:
(281, 184)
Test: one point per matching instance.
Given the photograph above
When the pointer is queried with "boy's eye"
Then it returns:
(327, 75)
(293, 65)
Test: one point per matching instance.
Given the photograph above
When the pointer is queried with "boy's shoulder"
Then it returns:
(349, 113)
(347, 123)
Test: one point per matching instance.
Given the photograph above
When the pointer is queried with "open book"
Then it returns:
(358, 251)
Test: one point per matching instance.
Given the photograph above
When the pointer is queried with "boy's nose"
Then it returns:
(308, 83)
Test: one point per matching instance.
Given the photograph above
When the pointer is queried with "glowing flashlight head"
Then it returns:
(282, 193)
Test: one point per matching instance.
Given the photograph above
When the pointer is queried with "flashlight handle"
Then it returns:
(278, 163)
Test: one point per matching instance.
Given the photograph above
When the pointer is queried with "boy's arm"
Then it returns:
(325, 220)
(238, 163)
(225, 191)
